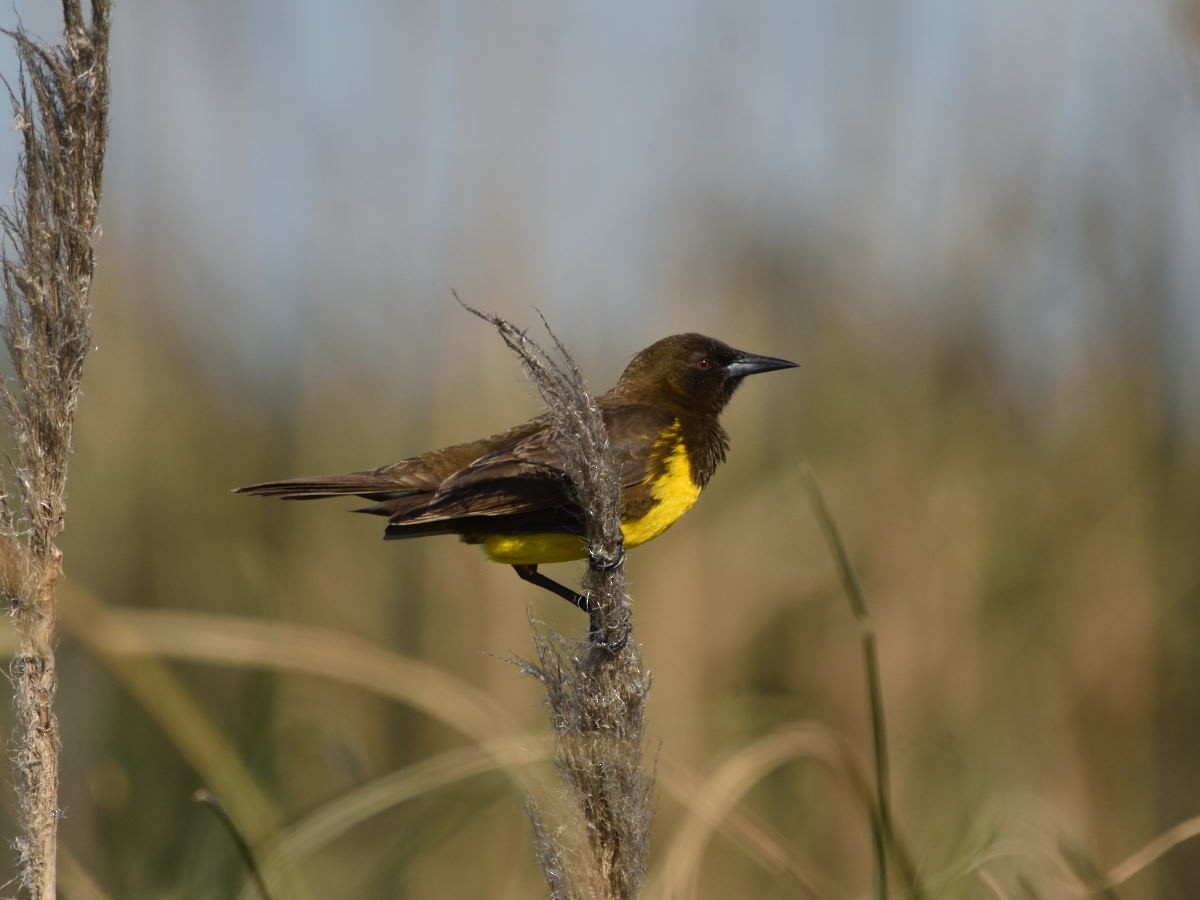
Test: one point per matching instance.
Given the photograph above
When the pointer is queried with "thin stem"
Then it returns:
(882, 834)
(206, 798)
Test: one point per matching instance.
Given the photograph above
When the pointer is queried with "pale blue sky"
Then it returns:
(349, 162)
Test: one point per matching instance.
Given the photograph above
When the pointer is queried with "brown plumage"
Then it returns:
(509, 492)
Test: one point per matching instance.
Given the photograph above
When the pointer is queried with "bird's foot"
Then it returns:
(612, 640)
(605, 562)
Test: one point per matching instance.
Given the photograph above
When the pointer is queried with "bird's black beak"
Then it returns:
(751, 364)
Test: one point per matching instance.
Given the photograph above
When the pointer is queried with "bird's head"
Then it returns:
(691, 372)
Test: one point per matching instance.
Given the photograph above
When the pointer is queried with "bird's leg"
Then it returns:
(533, 576)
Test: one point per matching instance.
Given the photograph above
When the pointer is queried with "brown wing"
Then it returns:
(522, 489)
(414, 478)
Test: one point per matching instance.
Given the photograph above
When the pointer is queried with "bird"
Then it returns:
(509, 493)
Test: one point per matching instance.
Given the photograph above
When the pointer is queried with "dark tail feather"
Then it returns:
(319, 487)
(400, 531)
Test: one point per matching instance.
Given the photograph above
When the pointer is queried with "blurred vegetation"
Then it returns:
(1031, 568)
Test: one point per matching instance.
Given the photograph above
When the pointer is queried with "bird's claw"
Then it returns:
(598, 638)
(602, 562)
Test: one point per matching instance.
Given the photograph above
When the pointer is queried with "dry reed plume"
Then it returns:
(594, 843)
(61, 108)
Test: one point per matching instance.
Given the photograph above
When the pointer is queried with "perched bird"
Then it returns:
(509, 494)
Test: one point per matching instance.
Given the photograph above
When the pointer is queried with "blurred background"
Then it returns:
(976, 225)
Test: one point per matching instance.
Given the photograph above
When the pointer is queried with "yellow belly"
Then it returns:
(674, 492)
(532, 549)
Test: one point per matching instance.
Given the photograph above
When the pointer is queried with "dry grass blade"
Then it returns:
(287, 647)
(332, 820)
(596, 693)
(754, 837)
(1087, 879)
(1168, 840)
(715, 800)
(993, 886)
(61, 109)
(1083, 868)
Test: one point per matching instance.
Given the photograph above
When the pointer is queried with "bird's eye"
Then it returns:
(703, 364)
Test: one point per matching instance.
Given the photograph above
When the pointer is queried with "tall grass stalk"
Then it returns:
(883, 835)
(61, 108)
(596, 690)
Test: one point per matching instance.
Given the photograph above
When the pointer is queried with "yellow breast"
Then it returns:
(673, 491)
